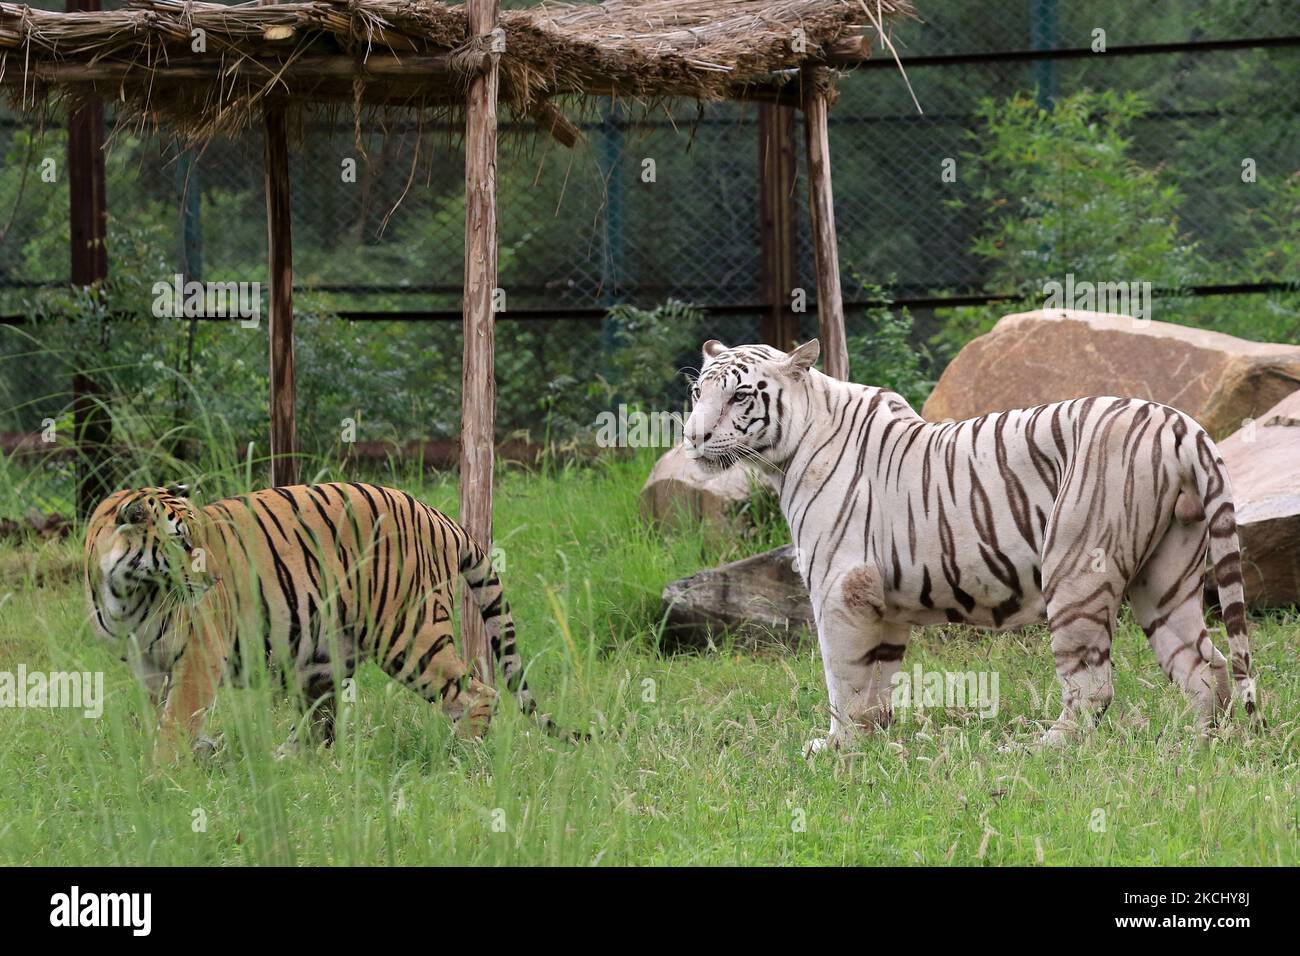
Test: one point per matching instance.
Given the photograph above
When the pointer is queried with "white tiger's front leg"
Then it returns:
(860, 654)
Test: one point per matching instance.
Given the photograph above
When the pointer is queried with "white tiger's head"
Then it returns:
(739, 402)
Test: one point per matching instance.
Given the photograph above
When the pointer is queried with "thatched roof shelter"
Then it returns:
(204, 69)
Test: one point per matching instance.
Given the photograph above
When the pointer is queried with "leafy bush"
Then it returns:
(650, 350)
(1063, 194)
(885, 353)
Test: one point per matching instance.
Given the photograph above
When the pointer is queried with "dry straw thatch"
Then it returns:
(414, 53)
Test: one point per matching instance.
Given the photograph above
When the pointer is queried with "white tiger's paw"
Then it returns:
(816, 745)
(1059, 735)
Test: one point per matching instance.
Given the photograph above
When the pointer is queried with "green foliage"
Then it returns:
(1063, 194)
(885, 353)
(1275, 223)
(759, 516)
(1061, 191)
(398, 380)
(1269, 231)
(650, 350)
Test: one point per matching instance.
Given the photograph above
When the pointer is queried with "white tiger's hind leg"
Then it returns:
(860, 654)
(1166, 601)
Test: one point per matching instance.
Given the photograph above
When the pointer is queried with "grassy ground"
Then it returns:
(699, 761)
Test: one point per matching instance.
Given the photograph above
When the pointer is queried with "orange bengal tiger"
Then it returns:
(317, 577)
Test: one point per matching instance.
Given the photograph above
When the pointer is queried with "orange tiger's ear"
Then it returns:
(134, 513)
(186, 492)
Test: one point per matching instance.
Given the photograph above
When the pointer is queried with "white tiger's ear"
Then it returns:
(806, 355)
(713, 348)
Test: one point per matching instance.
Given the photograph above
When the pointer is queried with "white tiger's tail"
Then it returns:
(476, 568)
(1215, 493)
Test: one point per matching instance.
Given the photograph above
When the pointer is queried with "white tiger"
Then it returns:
(1051, 512)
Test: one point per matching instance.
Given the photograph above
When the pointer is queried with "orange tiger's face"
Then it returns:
(143, 539)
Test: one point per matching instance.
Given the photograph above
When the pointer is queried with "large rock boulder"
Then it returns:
(680, 491)
(1052, 355)
(1263, 460)
(759, 599)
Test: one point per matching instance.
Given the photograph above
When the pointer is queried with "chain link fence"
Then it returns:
(650, 209)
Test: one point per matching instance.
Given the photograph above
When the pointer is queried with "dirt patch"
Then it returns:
(35, 525)
(863, 591)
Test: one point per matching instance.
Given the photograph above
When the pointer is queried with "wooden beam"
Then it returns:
(778, 91)
(847, 51)
(279, 268)
(547, 116)
(830, 303)
(478, 385)
(429, 78)
(305, 67)
(777, 172)
(88, 228)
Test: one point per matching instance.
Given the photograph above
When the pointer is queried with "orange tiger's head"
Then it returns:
(139, 549)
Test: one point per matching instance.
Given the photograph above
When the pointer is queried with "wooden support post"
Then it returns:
(279, 273)
(478, 388)
(777, 173)
(279, 251)
(830, 303)
(88, 227)
(189, 193)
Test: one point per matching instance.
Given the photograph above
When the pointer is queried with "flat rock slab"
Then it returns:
(760, 599)
(1032, 358)
(1263, 462)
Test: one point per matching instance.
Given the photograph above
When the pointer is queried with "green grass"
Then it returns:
(698, 761)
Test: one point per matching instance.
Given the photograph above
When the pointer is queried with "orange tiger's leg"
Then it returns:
(319, 698)
(192, 688)
(426, 661)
